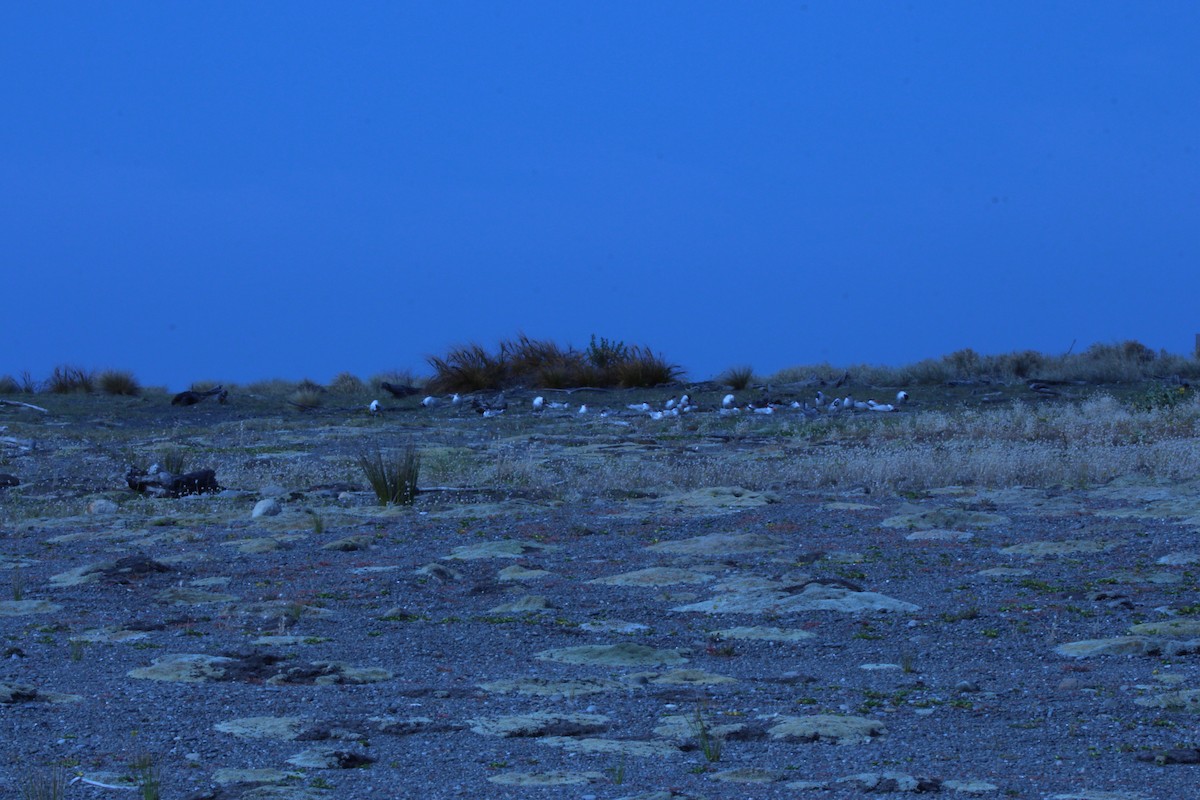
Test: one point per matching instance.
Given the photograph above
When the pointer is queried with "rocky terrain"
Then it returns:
(549, 620)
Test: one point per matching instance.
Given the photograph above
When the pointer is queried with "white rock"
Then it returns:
(268, 507)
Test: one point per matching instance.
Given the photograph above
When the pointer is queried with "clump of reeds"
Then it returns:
(393, 477)
(118, 382)
(9, 385)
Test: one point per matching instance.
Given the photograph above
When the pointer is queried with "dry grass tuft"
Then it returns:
(1125, 362)
(119, 382)
(394, 477)
(66, 379)
(737, 378)
(307, 399)
(536, 363)
(9, 385)
(347, 383)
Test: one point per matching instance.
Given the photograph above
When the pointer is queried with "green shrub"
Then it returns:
(393, 478)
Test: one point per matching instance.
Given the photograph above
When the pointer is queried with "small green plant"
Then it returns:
(76, 649)
(147, 776)
(1162, 397)
(393, 478)
(18, 583)
(318, 523)
(118, 382)
(908, 661)
(709, 743)
(49, 785)
(737, 378)
(616, 773)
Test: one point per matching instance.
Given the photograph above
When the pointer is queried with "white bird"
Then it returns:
(374, 406)
(558, 406)
(657, 414)
(880, 406)
(901, 397)
(765, 410)
(493, 412)
(583, 409)
(539, 403)
(859, 405)
(820, 401)
(685, 401)
(455, 399)
(670, 404)
(638, 406)
(429, 402)
(727, 401)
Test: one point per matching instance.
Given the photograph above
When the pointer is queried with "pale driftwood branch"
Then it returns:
(90, 782)
(12, 441)
(26, 405)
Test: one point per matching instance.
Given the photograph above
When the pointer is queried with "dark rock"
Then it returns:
(164, 484)
(1186, 755)
(7, 481)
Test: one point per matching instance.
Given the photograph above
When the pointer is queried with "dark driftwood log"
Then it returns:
(398, 390)
(190, 398)
(164, 484)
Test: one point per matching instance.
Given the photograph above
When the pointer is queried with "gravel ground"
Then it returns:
(723, 642)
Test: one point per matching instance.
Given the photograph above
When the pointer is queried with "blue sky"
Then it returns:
(239, 191)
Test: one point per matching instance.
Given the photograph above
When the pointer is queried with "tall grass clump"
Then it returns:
(347, 383)
(393, 477)
(537, 363)
(737, 378)
(9, 385)
(49, 785)
(66, 379)
(147, 776)
(118, 382)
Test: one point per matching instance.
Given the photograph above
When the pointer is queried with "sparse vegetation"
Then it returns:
(1124, 362)
(392, 477)
(118, 382)
(9, 385)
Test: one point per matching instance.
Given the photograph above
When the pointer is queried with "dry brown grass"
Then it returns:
(1124, 362)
